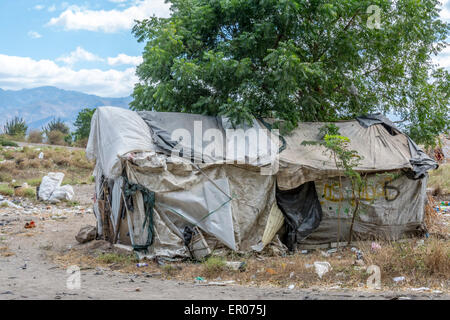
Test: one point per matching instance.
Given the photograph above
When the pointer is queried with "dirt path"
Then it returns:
(26, 272)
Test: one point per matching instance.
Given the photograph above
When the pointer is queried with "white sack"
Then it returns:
(49, 183)
(62, 193)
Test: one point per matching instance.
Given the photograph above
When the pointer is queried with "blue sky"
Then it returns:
(82, 45)
(76, 45)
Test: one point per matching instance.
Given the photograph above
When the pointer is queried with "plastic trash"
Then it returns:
(41, 155)
(236, 265)
(398, 279)
(49, 183)
(420, 289)
(30, 225)
(291, 286)
(199, 280)
(322, 267)
(375, 246)
(62, 193)
(139, 265)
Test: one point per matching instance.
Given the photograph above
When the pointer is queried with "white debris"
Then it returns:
(398, 279)
(9, 204)
(62, 193)
(41, 155)
(49, 183)
(51, 189)
(291, 286)
(420, 289)
(322, 267)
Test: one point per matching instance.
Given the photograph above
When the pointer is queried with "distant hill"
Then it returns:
(40, 105)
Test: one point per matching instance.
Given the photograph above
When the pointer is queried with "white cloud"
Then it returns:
(51, 8)
(79, 55)
(23, 72)
(39, 7)
(34, 35)
(76, 18)
(118, 1)
(445, 13)
(122, 59)
(443, 59)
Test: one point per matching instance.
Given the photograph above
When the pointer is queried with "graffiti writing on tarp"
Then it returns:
(369, 192)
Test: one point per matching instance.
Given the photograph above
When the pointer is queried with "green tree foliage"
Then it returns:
(297, 60)
(57, 132)
(56, 125)
(16, 127)
(83, 124)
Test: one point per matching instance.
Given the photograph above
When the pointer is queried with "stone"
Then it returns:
(86, 234)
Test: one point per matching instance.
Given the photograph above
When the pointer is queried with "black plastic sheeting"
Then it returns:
(302, 212)
(420, 161)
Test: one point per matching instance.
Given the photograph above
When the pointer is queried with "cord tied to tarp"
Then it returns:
(129, 190)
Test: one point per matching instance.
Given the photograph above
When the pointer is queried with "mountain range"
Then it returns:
(38, 106)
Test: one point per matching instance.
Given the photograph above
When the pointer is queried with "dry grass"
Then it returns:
(434, 220)
(426, 265)
(23, 165)
(440, 179)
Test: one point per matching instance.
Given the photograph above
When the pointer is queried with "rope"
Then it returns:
(148, 196)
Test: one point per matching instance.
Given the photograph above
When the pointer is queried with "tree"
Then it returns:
(16, 127)
(57, 132)
(83, 124)
(56, 125)
(297, 60)
(346, 161)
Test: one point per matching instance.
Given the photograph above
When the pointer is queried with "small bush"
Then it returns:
(213, 266)
(35, 136)
(7, 143)
(25, 192)
(82, 143)
(56, 138)
(16, 127)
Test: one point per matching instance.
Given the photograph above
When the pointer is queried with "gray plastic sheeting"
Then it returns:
(205, 206)
(420, 161)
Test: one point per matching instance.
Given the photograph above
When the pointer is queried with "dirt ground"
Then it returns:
(27, 270)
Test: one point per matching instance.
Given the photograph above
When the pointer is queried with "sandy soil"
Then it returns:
(27, 272)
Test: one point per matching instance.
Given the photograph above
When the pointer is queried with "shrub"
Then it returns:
(82, 143)
(25, 192)
(16, 127)
(35, 136)
(213, 265)
(56, 125)
(56, 138)
(7, 143)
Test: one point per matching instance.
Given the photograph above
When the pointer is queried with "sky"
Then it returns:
(85, 46)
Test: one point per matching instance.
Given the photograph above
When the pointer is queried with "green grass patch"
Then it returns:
(214, 265)
(116, 258)
(5, 190)
(34, 182)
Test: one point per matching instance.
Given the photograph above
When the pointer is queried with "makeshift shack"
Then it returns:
(167, 180)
